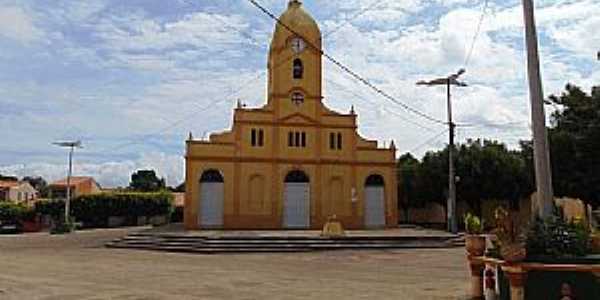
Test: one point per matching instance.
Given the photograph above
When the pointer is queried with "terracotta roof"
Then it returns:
(9, 183)
(75, 180)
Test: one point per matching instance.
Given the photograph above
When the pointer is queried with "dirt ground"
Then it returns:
(77, 266)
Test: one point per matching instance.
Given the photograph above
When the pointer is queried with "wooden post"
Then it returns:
(517, 278)
(477, 268)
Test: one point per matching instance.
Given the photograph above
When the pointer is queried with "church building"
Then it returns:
(292, 163)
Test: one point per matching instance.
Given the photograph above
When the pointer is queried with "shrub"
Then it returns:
(557, 238)
(11, 212)
(94, 210)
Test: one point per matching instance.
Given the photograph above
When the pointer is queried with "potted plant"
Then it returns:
(474, 240)
(510, 241)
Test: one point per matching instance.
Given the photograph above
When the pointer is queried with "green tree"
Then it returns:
(407, 182)
(575, 144)
(38, 183)
(146, 181)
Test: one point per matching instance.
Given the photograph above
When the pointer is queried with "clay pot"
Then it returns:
(513, 252)
(475, 244)
(595, 243)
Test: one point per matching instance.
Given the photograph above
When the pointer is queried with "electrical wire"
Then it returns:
(477, 32)
(347, 69)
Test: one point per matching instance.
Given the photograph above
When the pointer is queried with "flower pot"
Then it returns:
(595, 243)
(475, 244)
(513, 252)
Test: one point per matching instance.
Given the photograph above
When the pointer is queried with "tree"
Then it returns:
(575, 144)
(38, 183)
(486, 169)
(146, 181)
(407, 182)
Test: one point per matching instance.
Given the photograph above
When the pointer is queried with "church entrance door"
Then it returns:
(211, 199)
(296, 211)
(374, 202)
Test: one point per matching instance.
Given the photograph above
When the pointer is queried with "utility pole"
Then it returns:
(541, 153)
(72, 146)
(451, 206)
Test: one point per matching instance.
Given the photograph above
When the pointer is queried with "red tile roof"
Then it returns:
(75, 180)
(9, 183)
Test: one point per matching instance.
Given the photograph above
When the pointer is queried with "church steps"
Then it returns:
(241, 244)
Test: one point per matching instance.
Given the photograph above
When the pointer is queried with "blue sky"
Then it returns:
(132, 78)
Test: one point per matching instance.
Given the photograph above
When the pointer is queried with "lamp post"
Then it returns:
(451, 206)
(72, 146)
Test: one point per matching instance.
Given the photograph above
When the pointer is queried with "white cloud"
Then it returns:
(153, 73)
(17, 24)
(108, 174)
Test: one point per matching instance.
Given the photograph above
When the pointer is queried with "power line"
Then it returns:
(428, 141)
(358, 14)
(477, 32)
(347, 69)
(372, 102)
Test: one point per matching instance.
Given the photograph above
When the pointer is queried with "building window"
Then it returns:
(331, 140)
(297, 98)
(335, 141)
(298, 69)
(257, 137)
(297, 139)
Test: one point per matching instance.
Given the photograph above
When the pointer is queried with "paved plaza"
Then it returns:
(77, 266)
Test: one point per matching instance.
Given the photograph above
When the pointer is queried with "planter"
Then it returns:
(475, 244)
(513, 252)
(116, 221)
(595, 243)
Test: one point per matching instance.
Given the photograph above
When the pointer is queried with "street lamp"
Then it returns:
(448, 82)
(72, 146)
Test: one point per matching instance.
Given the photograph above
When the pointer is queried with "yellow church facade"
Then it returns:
(292, 163)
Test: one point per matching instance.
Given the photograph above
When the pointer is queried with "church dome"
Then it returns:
(296, 18)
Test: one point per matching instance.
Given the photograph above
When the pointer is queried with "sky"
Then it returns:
(131, 79)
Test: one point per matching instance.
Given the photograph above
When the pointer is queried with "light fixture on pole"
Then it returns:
(72, 146)
(451, 206)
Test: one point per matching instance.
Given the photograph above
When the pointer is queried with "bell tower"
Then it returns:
(295, 63)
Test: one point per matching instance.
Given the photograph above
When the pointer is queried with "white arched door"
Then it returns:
(211, 200)
(296, 207)
(374, 202)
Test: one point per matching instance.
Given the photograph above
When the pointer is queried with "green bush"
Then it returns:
(556, 237)
(11, 212)
(94, 210)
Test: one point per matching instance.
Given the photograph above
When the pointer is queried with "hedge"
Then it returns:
(94, 210)
(11, 212)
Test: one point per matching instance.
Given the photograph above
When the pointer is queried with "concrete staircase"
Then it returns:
(273, 244)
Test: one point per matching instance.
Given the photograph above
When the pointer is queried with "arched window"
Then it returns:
(298, 69)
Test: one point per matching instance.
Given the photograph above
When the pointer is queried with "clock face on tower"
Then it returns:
(298, 45)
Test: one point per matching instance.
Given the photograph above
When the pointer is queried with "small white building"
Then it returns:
(18, 192)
